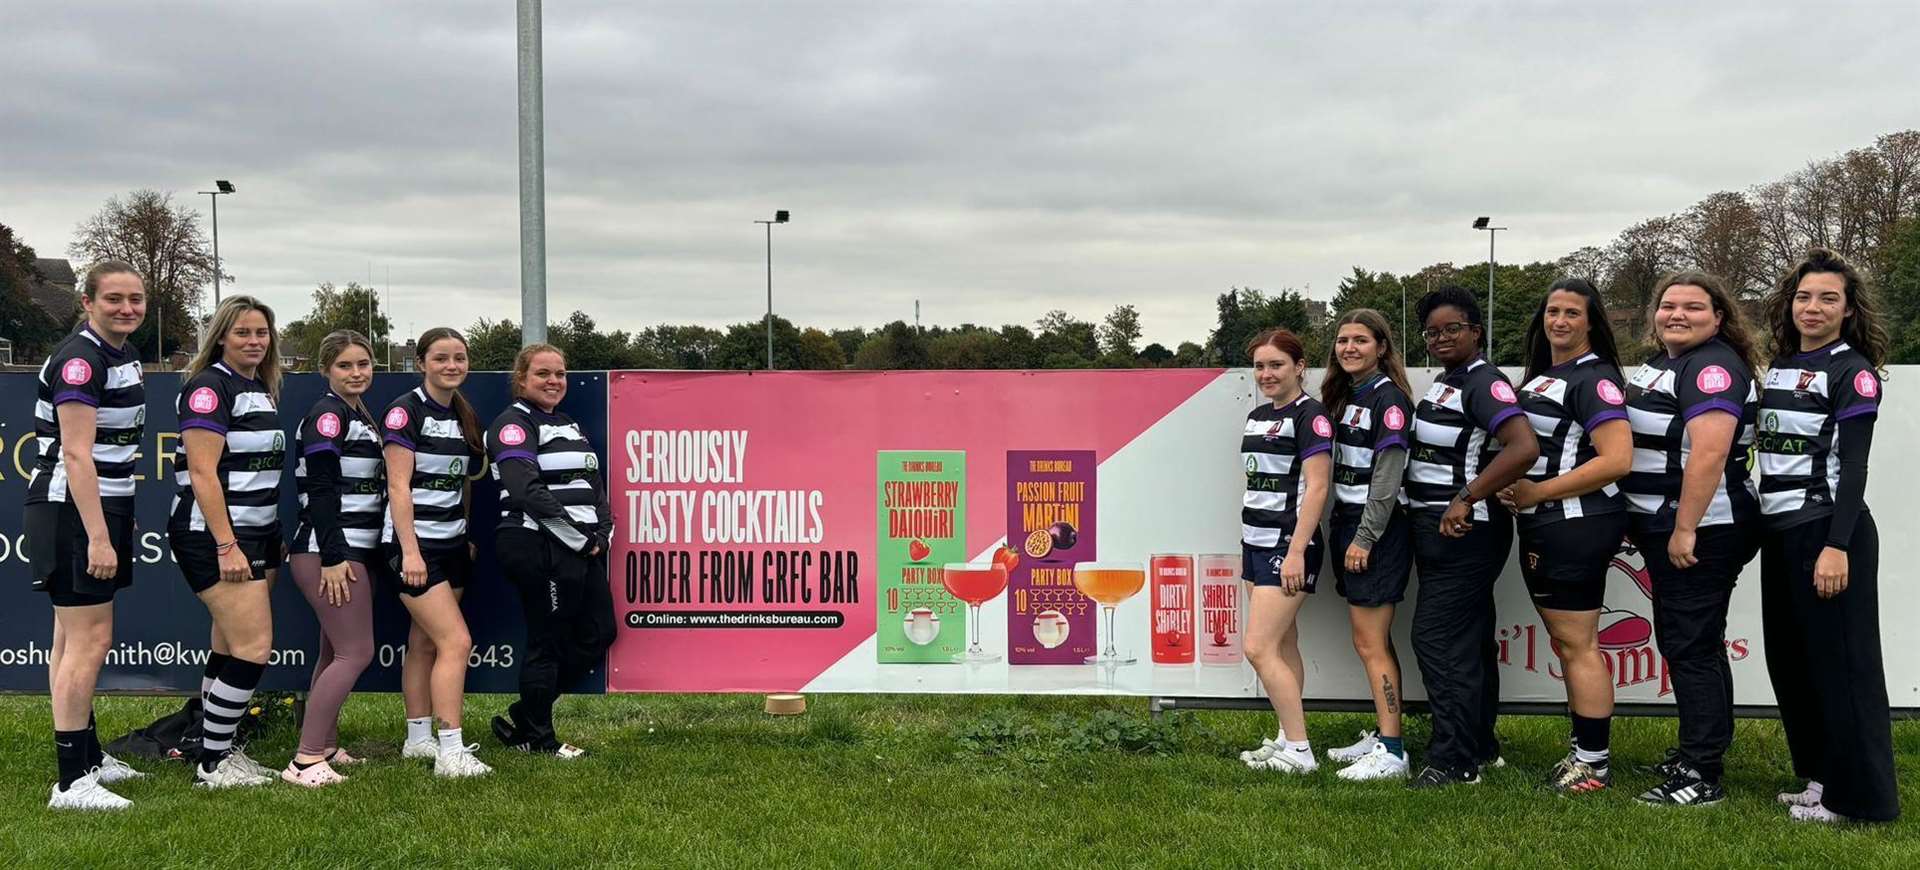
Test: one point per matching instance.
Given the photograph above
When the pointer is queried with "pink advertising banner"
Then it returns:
(748, 548)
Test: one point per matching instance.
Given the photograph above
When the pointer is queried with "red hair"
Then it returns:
(1280, 339)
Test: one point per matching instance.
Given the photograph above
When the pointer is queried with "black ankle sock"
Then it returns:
(303, 765)
(70, 751)
(95, 755)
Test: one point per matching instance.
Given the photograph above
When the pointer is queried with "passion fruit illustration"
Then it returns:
(1064, 535)
(1039, 543)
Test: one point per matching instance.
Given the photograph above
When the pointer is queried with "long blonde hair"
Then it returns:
(213, 349)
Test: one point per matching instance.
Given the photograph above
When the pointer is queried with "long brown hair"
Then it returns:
(1862, 329)
(1336, 386)
(469, 422)
(1733, 325)
(214, 348)
(523, 363)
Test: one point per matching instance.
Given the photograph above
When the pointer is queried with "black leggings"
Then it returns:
(1823, 655)
(569, 613)
(1690, 630)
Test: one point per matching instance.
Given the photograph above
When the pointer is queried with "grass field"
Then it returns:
(912, 782)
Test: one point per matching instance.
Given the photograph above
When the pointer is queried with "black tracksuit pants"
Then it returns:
(1690, 630)
(1453, 624)
(569, 613)
(1823, 655)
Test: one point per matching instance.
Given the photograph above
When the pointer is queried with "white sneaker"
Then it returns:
(1807, 797)
(86, 793)
(423, 748)
(1377, 764)
(112, 770)
(1289, 761)
(255, 768)
(1258, 757)
(229, 773)
(1354, 752)
(460, 763)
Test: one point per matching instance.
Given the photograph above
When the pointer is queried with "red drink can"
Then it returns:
(1172, 611)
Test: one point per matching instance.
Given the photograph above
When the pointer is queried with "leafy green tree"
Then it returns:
(1900, 290)
(680, 347)
(33, 330)
(894, 346)
(1156, 355)
(336, 308)
(1189, 355)
(819, 351)
(491, 345)
(1244, 313)
(1120, 331)
(973, 348)
(1060, 336)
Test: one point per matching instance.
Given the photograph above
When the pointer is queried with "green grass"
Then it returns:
(912, 782)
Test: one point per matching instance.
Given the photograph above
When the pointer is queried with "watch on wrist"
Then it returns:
(1465, 495)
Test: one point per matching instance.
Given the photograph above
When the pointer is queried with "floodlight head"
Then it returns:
(780, 217)
(1480, 223)
(224, 185)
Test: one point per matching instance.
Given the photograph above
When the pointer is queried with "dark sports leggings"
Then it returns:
(346, 648)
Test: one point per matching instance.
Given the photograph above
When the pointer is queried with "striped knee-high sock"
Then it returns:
(226, 702)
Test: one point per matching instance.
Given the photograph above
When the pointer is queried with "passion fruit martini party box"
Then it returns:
(1050, 526)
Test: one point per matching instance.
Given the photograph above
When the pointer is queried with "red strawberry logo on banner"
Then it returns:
(397, 419)
(328, 424)
(1396, 418)
(1504, 392)
(1610, 392)
(512, 435)
(1321, 427)
(918, 551)
(77, 371)
(1866, 385)
(203, 401)
(1714, 379)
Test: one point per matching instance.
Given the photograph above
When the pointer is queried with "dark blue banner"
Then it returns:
(161, 629)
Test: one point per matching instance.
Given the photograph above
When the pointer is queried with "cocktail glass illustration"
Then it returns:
(976, 583)
(1109, 583)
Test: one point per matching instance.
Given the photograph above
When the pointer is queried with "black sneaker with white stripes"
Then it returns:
(1434, 777)
(1685, 788)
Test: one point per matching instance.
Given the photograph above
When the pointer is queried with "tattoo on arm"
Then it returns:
(1393, 698)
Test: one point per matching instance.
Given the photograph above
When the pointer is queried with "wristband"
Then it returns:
(223, 548)
(1465, 495)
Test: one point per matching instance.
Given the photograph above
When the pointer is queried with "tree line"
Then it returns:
(1864, 203)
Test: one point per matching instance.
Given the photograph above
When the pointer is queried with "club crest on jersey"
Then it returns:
(1610, 392)
(1396, 419)
(1503, 391)
(458, 466)
(592, 462)
(203, 401)
(1321, 427)
(1866, 385)
(1253, 464)
(1541, 385)
(1771, 423)
(77, 371)
(1806, 381)
(396, 418)
(1273, 430)
(1353, 416)
(328, 425)
(1445, 394)
(512, 435)
(1713, 379)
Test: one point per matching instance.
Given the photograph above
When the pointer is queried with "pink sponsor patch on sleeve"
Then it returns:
(396, 419)
(512, 435)
(1866, 385)
(1714, 379)
(77, 371)
(1321, 427)
(203, 401)
(328, 424)
(1504, 392)
(1396, 419)
(1610, 393)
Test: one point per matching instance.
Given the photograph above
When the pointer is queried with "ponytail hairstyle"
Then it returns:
(1599, 332)
(523, 363)
(1733, 325)
(469, 422)
(1284, 341)
(1336, 389)
(213, 350)
(1862, 329)
(91, 285)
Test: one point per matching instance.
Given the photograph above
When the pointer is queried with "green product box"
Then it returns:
(921, 525)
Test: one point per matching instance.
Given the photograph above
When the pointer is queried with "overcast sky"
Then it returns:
(992, 160)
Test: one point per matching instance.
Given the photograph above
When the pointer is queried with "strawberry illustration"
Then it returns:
(918, 551)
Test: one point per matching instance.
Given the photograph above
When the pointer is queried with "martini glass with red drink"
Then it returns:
(976, 583)
(1109, 583)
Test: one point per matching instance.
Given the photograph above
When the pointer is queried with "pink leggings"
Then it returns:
(346, 648)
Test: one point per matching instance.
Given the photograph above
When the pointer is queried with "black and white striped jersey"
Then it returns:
(241, 411)
(1274, 445)
(1805, 397)
(1564, 404)
(88, 369)
(350, 434)
(1453, 437)
(1663, 395)
(442, 462)
(569, 470)
(1374, 420)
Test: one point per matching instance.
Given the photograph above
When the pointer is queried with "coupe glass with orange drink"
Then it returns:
(1109, 583)
(976, 583)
